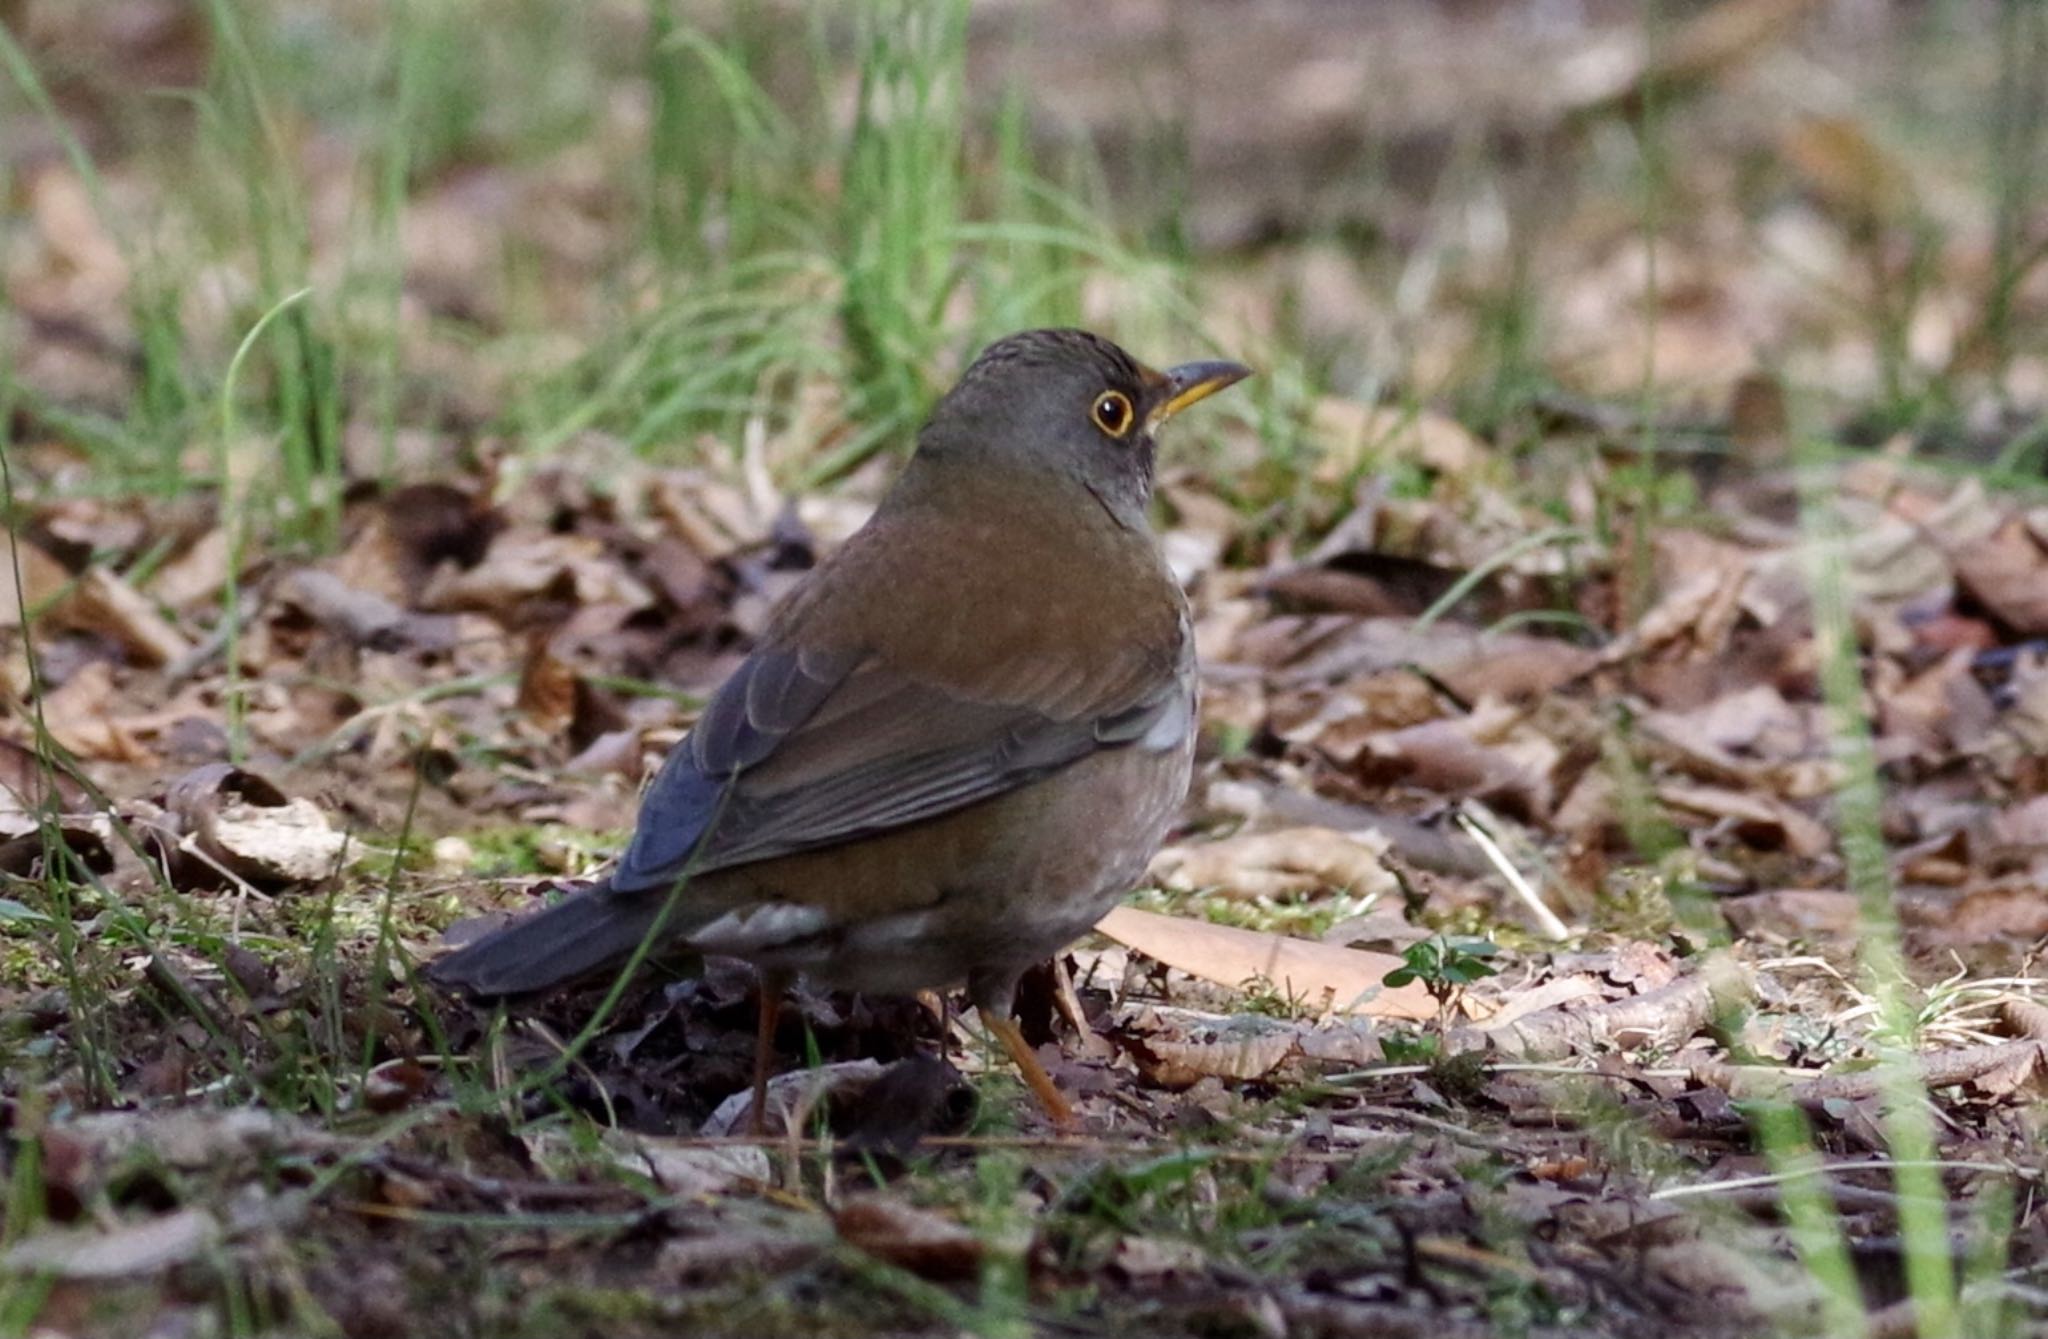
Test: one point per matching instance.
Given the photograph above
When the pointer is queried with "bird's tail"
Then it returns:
(577, 937)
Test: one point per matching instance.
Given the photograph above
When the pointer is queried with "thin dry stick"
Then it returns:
(1939, 1069)
(1735, 1183)
(1546, 919)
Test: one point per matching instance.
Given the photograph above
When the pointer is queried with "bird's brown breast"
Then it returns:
(1000, 592)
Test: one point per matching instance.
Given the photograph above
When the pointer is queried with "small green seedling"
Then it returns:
(1445, 966)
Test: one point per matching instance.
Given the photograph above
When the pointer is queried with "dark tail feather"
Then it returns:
(577, 937)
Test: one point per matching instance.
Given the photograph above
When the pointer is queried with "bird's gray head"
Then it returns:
(1072, 404)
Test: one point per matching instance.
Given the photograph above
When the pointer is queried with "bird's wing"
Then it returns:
(803, 749)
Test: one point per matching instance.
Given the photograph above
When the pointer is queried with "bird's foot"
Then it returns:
(1057, 1108)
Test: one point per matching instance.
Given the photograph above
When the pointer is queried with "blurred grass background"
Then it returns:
(663, 221)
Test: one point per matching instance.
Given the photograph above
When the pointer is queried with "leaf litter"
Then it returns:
(266, 785)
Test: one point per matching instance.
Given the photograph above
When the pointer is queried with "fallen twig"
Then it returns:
(1937, 1069)
(1664, 1018)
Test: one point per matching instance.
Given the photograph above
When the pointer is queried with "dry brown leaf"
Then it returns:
(1887, 557)
(1342, 722)
(1848, 171)
(2001, 911)
(1273, 864)
(1794, 912)
(28, 788)
(694, 1170)
(1665, 1018)
(793, 1094)
(242, 823)
(365, 618)
(1934, 708)
(1730, 1280)
(1528, 1000)
(195, 575)
(98, 601)
(2023, 825)
(1333, 648)
(2021, 730)
(615, 752)
(1745, 738)
(1703, 581)
(80, 716)
(2007, 572)
(30, 797)
(710, 516)
(918, 1240)
(1488, 754)
(1176, 1053)
(1327, 589)
(1516, 669)
(522, 566)
(42, 577)
(2006, 1065)
(105, 603)
(394, 1085)
(1203, 529)
(1764, 819)
(1320, 976)
(84, 256)
(547, 688)
(2025, 1019)
(291, 843)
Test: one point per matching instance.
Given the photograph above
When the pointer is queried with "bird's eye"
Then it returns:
(1112, 413)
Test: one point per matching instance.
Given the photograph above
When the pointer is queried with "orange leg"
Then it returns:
(768, 1011)
(1007, 1032)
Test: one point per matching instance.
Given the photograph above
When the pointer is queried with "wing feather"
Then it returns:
(787, 757)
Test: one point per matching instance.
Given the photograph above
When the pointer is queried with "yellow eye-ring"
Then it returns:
(1112, 413)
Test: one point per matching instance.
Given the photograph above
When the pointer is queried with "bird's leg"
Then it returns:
(1042, 1087)
(768, 1011)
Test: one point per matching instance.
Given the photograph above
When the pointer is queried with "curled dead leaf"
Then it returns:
(1794, 913)
(1272, 864)
(918, 1240)
(2007, 573)
(243, 824)
(1760, 819)
(1491, 754)
(1848, 171)
(547, 687)
(1176, 1052)
(365, 618)
(42, 578)
(82, 715)
(103, 602)
(521, 567)
(1322, 977)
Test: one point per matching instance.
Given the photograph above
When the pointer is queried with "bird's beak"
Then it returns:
(1191, 382)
